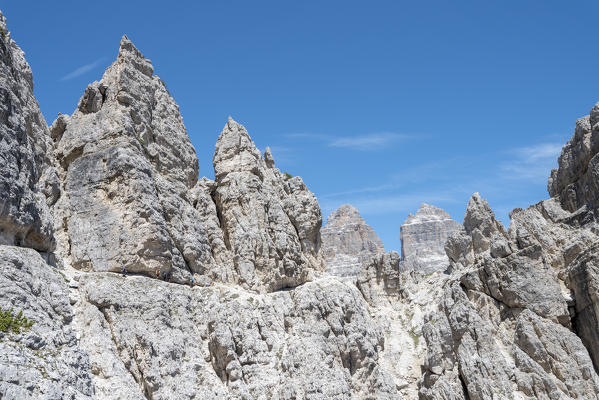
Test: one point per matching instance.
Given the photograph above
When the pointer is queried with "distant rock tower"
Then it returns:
(347, 241)
(423, 236)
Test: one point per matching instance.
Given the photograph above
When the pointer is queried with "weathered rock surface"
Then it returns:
(127, 167)
(504, 324)
(27, 180)
(44, 362)
(423, 236)
(172, 341)
(519, 312)
(132, 198)
(514, 316)
(347, 242)
(575, 181)
(270, 223)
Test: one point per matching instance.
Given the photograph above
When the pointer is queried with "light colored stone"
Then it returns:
(514, 316)
(172, 341)
(26, 173)
(423, 236)
(271, 224)
(45, 361)
(504, 326)
(127, 167)
(347, 242)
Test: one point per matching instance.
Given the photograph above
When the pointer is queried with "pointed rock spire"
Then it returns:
(129, 54)
(270, 161)
(480, 216)
(423, 236)
(127, 140)
(235, 151)
(347, 242)
(270, 224)
(24, 150)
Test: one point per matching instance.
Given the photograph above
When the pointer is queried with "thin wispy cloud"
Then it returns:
(539, 152)
(82, 70)
(452, 181)
(532, 162)
(395, 204)
(369, 141)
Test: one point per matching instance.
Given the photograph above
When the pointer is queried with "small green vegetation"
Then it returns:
(288, 175)
(2, 33)
(13, 323)
(415, 337)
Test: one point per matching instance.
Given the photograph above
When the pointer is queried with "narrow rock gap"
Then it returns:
(143, 384)
(221, 222)
(146, 391)
(464, 387)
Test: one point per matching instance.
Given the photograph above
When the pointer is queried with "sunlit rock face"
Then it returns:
(44, 360)
(347, 242)
(518, 315)
(127, 167)
(131, 196)
(270, 222)
(28, 181)
(423, 236)
(225, 293)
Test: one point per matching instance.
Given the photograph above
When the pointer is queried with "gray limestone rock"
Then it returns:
(270, 224)
(423, 236)
(584, 281)
(514, 316)
(348, 242)
(45, 361)
(172, 341)
(127, 167)
(504, 326)
(575, 181)
(25, 166)
(379, 277)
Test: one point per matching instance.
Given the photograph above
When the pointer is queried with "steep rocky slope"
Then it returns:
(131, 196)
(423, 236)
(347, 242)
(116, 185)
(518, 314)
(46, 360)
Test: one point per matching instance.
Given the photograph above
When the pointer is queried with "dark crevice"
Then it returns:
(65, 162)
(221, 222)
(142, 384)
(584, 318)
(464, 387)
(294, 224)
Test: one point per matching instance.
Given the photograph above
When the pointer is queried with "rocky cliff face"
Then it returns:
(46, 360)
(126, 169)
(116, 185)
(270, 223)
(517, 316)
(131, 196)
(27, 180)
(347, 242)
(423, 236)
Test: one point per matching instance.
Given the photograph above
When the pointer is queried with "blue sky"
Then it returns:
(382, 104)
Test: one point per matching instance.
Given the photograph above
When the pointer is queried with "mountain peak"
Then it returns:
(129, 54)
